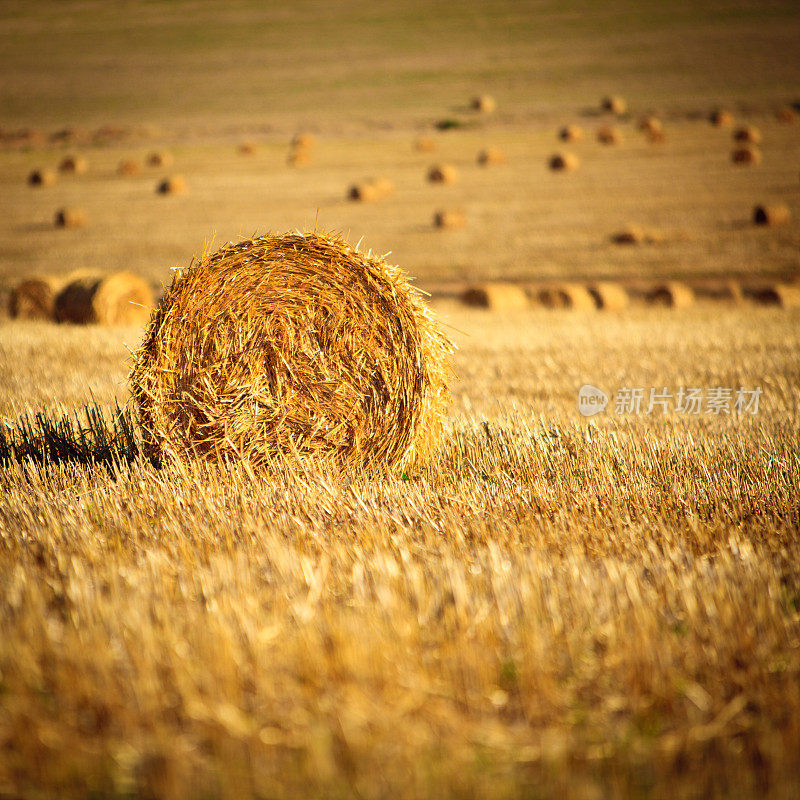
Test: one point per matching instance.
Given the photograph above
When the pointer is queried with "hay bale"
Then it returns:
(491, 155)
(35, 298)
(42, 177)
(299, 157)
(159, 158)
(287, 346)
(484, 103)
(449, 219)
(746, 155)
(747, 134)
(172, 185)
(246, 149)
(609, 296)
(673, 294)
(364, 192)
(70, 218)
(566, 162)
(614, 104)
(496, 296)
(304, 140)
(73, 164)
(650, 125)
(721, 118)
(121, 298)
(424, 144)
(783, 295)
(608, 134)
(787, 115)
(566, 295)
(570, 133)
(633, 234)
(656, 137)
(129, 167)
(775, 214)
(443, 173)
(384, 186)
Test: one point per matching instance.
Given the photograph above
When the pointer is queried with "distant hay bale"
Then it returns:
(42, 177)
(491, 155)
(775, 214)
(747, 134)
(566, 162)
(573, 296)
(35, 298)
(70, 218)
(424, 144)
(484, 103)
(614, 104)
(73, 164)
(608, 134)
(673, 294)
(496, 296)
(570, 133)
(304, 140)
(449, 219)
(784, 295)
(384, 186)
(656, 137)
(172, 185)
(650, 125)
(246, 149)
(746, 155)
(129, 167)
(299, 157)
(443, 173)
(633, 234)
(787, 115)
(287, 346)
(364, 192)
(159, 158)
(721, 118)
(609, 296)
(121, 298)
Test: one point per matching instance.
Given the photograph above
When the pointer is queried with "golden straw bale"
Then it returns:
(449, 219)
(121, 298)
(75, 164)
(787, 115)
(785, 295)
(364, 191)
(747, 134)
(567, 162)
(721, 118)
(246, 149)
(571, 133)
(609, 296)
(424, 144)
(746, 155)
(299, 157)
(304, 139)
(35, 298)
(567, 295)
(172, 185)
(292, 345)
(775, 214)
(42, 177)
(129, 167)
(614, 104)
(70, 218)
(608, 134)
(633, 234)
(159, 158)
(443, 173)
(673, 294)
(384, 186)
(650, 124)
(484, 103)
(496, 296)
(491, 155)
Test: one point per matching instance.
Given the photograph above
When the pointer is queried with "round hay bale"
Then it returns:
(633, 234)
(384, 186)
(491, 155)
(566, 162)
(73, 164)
(129, 167)
(614, 104)
(449, 219)
(364, 192)
(424, 144)
(567, 295)
(784, 295)
(172, 185)
(787, 115)
(746, 155)
(484, 103)
(570, 133)
(775, 214)
(609, 296)
(673, 294)
(159, 158)
(443, 173)
(747, 134)
(246, 149)
(287, 346)
(304, 139)
(496, 296)
(608, 134)
(299, 157)
(650, 124)
(42, 177)
(656, 137)
(121, 298)
(721, 118)
(35, 298)
(70, 218)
